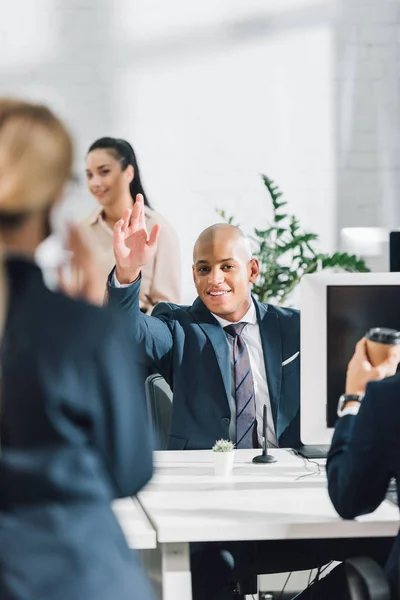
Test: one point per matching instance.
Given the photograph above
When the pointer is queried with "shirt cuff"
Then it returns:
(350, 410)
(117, 284)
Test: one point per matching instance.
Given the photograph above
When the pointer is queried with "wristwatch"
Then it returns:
(345, 399)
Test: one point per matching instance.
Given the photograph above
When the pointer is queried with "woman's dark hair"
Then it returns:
(124, 153)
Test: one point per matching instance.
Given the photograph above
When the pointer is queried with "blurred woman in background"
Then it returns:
(73, 426)
(113, 179)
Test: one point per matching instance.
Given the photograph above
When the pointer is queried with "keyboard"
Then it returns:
(313, 451)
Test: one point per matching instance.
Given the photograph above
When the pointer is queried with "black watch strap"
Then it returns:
(352, 397)
(345, 399)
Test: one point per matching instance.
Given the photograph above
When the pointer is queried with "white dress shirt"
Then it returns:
(117, 284)
(251, 336)
(350, 410)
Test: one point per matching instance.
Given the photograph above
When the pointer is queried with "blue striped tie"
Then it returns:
(246, 428)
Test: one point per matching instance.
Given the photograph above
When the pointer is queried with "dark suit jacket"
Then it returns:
(188, 346)
(73, 437)
(365, 455)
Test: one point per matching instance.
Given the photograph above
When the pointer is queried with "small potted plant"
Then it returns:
(223, 454)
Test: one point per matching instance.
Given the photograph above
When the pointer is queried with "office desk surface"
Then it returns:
(285, 500)
(194, 468)
(138, 530)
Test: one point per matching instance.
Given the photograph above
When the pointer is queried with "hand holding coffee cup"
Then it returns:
(379, 344)
(373, 359)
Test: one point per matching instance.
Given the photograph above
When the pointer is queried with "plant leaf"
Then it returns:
(286, 252)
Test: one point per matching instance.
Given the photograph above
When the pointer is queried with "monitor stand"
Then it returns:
(313, 451)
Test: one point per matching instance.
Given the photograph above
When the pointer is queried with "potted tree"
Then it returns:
(286, 252)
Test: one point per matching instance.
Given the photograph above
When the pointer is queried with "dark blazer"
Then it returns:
(365, 455)
(188, 346)
(73, 437)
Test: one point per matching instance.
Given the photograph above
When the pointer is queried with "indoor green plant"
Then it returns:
(223, 453)
(223, 446)
(286, 252)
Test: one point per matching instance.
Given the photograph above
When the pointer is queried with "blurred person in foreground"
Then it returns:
(73, 426)
(365, 450)
(363, 457)
(113, 178)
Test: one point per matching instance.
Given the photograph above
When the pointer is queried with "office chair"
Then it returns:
(366, 580)
(159, 408)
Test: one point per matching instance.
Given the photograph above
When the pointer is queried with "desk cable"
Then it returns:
(320, 570)
(307, 462)
(284, 585)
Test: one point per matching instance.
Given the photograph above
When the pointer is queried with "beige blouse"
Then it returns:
(161, 278)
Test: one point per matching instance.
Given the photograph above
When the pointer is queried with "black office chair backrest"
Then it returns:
(366, 580)
(159, 408)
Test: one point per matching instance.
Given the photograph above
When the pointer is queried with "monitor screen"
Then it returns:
(394, 250)
(351, 311)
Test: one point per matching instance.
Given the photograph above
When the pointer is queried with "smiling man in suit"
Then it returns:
(227, 354)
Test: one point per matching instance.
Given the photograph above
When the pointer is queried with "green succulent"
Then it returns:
(223, 446)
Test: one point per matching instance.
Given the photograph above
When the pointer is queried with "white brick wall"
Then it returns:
(367, 84)
(212, 93)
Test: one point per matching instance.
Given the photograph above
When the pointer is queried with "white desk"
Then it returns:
(137, 528)
(285, 500)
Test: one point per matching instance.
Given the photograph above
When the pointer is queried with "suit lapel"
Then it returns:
(217, 337)
(272, 346)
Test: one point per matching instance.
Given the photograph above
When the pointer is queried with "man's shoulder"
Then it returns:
(170, 310)
(283, 312)
(288, 319)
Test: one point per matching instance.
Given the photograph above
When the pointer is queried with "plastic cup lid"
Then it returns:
(383, 335)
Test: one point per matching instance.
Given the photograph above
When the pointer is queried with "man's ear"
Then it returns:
(254, 270)
(194, 274)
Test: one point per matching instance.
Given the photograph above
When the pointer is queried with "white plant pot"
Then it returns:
(223, 463)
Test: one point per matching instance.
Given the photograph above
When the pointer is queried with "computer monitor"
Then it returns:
(394, 251)
(336, 311)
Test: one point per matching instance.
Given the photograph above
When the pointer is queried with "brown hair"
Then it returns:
(36, 155)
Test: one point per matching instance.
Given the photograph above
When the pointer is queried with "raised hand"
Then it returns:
(133, 247)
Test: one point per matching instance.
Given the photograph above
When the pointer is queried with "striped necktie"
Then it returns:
(246, 425)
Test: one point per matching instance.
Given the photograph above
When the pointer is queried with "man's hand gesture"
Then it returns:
(133, 247)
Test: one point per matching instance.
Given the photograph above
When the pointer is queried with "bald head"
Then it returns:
(224, 270)
(223, 234)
